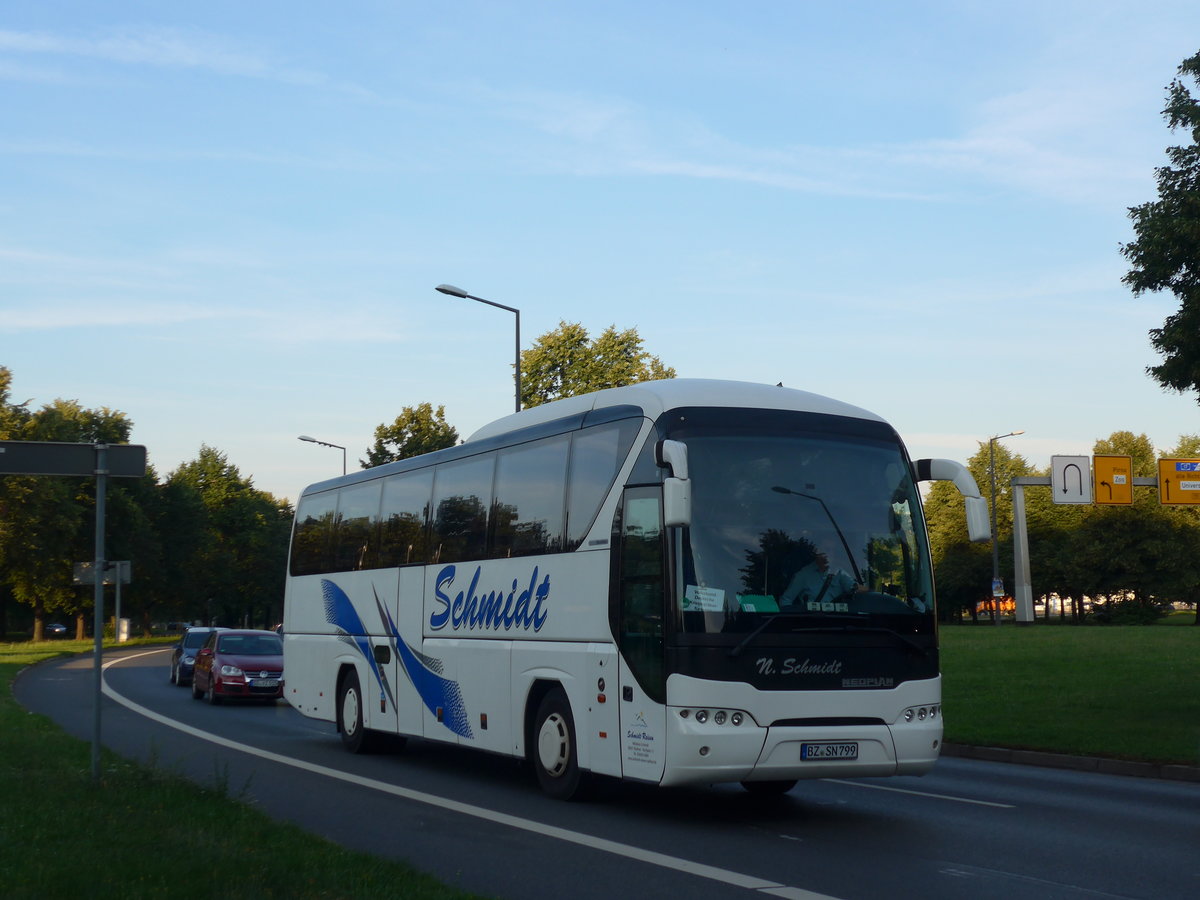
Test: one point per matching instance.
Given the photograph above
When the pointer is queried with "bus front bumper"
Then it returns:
(707, 753)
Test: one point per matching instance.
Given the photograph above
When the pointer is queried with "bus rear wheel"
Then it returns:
(553, 748)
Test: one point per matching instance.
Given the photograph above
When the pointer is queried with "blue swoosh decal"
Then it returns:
(435, 691)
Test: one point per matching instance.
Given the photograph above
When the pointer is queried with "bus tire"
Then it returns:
(553, 748)
(355, 737)
(769, 788)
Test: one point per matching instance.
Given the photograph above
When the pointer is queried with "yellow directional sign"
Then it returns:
(1113, 480)
(1179, 481)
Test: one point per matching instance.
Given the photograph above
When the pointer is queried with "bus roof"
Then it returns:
(649, 399)
(655, 397)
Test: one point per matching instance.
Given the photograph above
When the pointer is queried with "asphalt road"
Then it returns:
(970, 829)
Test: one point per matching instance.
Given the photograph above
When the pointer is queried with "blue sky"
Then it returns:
(227, 220)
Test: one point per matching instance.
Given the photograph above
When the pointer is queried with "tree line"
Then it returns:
(203, 542)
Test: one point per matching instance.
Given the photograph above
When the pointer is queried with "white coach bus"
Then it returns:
(675, 582)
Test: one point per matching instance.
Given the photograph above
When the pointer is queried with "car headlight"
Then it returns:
(189, 660)
(231, 671)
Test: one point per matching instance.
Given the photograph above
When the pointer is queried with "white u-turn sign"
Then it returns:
(1071, 479)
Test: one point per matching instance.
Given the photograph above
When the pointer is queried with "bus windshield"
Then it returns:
(823, 525)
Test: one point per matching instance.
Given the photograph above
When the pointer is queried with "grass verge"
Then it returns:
(138, 833)
(1119, 692)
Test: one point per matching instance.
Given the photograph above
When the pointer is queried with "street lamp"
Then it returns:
(459, 292)
(995, 542)
(313, 440)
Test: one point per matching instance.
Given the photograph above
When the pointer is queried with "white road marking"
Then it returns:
(725, 876)
(896, 790)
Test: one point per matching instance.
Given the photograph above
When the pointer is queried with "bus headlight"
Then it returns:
(734, 717)
(921, 713)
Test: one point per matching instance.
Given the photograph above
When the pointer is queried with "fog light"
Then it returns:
(736, 718)
(702, 716)
(683, 713)
(908, 715)
(719, 718)
(921, 714)
(704, 751)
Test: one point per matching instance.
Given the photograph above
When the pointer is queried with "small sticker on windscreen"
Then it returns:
(704, 599)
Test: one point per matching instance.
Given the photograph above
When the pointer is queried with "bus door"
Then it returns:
(375, 593)
(641, 595)
(405, 608)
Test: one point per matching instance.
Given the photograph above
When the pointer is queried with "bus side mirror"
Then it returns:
(677, 487)
(978, 527)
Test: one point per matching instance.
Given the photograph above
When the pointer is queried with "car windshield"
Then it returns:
(250, 645)
(194, 640)
(820, 525)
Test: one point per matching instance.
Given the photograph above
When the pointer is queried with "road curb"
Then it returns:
(1074, 763)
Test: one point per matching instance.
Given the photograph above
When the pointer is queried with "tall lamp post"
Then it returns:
(459, 292)
(995, 541)
(313, 440)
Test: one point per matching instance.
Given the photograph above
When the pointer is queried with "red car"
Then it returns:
(237, 663)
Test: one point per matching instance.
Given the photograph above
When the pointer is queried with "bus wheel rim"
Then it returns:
(554, 745)
(350, 712)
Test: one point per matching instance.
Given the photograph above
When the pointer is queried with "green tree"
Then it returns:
(237, 572)
(418, 429)
(566, 362)
(1165, 254)
(49, 521)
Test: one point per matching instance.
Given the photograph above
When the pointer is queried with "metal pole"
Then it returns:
(117, 608)
(995, 536)
(453, 291)
(517, 360)
(98, 602)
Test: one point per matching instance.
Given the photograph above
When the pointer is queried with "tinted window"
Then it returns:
(194, 640)
(403, 535)
(462, 493)
(251, 645)
(312, 538)
(596, 457)
(527, 516)
(356, 539)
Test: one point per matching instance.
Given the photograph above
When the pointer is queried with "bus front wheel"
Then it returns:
(350, 714)
(554, 749)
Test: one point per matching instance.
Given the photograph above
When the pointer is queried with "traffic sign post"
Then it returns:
(1179, 482)
(1112, 479)
(1070, 479)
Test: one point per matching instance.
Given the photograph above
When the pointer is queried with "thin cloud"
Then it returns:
(172, 48)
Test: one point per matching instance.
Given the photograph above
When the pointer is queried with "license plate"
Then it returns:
(829, 750)
(264, 682)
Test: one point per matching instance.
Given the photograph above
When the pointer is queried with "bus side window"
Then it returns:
(404, 534)
(527, 513)
(356, 538)
(643, 588)
(313, 535)
(597, 454)
(462, 493)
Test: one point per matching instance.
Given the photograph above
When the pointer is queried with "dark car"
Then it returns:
(55, 629)
(239, 663)
(183, 654)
